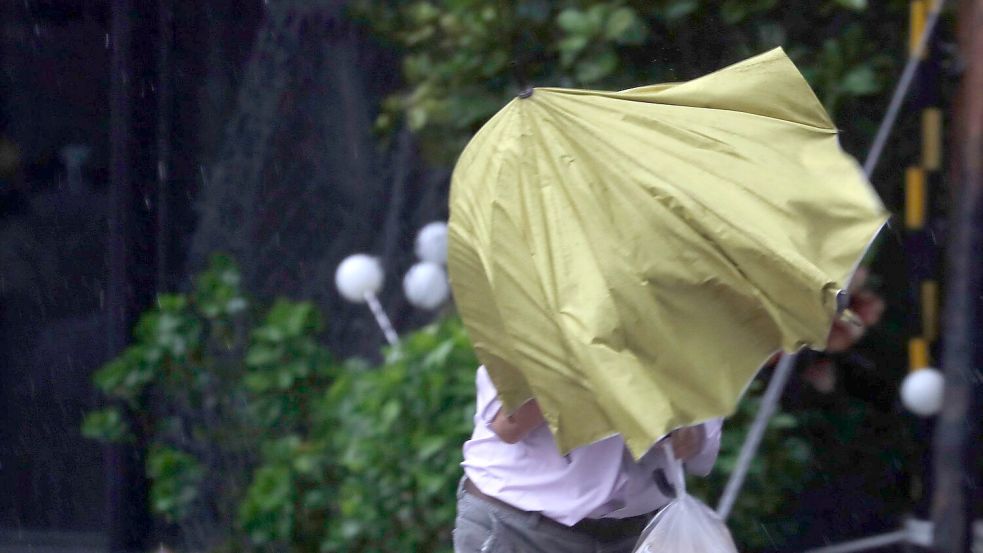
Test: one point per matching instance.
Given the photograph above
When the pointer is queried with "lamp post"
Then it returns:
(359, 278)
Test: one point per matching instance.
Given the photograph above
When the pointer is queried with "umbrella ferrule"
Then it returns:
(842, 301)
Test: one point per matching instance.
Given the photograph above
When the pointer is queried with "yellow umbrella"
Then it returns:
(630, 259)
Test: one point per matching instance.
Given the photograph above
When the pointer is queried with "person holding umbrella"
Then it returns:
(595, 499)
(625, 263)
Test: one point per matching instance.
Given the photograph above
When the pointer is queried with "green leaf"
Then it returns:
(576, 22)
(736, 11)
(390, 411)
(293, 318)
(860, 81)
(856, 5)
(261, 355)
(236, 305)
(783, 421)
(284, 379)
(430, 446)
(317, 499)
(306, 464)
(175, 479)
(595, 68)
(679, 9)
(171, 302)
(570, 47)
(106, 425)
(474, 107)
(416, 118)
(624, 27)
(258, 382)
(424, 12)
(269, 334)
(438, 356)
(733, 11)
(126, 376)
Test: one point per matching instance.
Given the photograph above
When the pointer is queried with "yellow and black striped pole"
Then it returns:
(921, 250)
(919, 181)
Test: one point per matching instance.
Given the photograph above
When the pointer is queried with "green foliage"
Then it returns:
(107, 425)
(464, 59)
(401, 427)
(257, 434)
(289, 499)
(286, 368)
(201, 392)
(176, 477)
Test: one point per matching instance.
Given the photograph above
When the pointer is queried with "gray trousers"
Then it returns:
(482, 527)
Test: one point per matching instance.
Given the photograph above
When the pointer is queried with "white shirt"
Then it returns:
(599, 480)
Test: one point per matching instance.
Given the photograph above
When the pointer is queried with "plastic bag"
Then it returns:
(685, 525)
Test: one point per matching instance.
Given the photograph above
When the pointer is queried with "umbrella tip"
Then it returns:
(526, 93)
(842, 301)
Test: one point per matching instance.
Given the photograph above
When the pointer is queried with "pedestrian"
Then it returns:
(520, 495)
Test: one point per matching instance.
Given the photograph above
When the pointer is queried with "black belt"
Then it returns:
(600, 529)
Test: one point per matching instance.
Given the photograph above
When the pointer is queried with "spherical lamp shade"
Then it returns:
(358, 275)
(426, 285)
(921, 392)
(431, 243)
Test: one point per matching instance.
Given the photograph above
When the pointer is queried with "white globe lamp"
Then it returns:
(922, 391)
(431, 243)
(425, 285)
(359, 276)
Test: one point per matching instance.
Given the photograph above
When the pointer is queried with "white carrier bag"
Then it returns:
(685, 525)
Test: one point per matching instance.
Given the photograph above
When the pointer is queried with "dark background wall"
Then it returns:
(52, 244)
(55, 203)
(137, 138)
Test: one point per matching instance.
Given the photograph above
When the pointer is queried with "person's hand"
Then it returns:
(687, 441)
(864, 311)
(513, 428)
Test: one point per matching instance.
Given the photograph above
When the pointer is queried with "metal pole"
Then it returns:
(900, 91)
(962, 356)
(871, 542)
(381, 319)
(768, 405)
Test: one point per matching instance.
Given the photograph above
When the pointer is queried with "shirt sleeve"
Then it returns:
(702, 463)
(487, 401)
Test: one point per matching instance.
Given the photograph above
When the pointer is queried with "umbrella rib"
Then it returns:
(635, 98)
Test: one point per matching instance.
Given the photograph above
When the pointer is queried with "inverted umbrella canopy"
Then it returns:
(630, 259)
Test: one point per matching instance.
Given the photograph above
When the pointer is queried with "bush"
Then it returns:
(390, 436)
(401, 427)
(208, 397)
